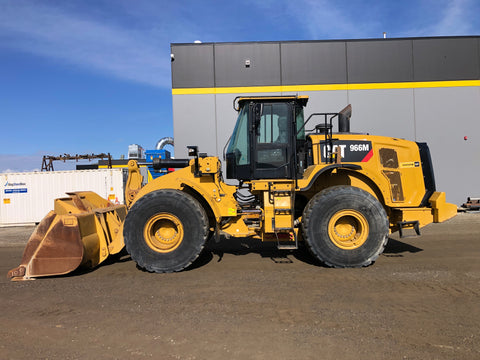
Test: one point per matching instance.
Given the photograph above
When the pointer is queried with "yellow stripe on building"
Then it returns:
(327, 87)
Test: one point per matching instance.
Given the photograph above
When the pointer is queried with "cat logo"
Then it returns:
(350, 151)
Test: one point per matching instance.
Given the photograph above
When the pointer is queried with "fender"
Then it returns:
(326, 169)
(219, 198)
(363, 181)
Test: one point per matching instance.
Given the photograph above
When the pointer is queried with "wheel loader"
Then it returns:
(293, 180)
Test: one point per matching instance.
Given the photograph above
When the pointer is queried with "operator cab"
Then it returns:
(266, 137)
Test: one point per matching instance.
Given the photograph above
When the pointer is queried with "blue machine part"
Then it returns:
(152, 154)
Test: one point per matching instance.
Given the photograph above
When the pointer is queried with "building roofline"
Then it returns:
(329, 40)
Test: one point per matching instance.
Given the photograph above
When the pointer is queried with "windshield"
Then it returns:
(239, 144)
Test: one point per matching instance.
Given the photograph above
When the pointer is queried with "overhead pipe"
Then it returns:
(164, 141)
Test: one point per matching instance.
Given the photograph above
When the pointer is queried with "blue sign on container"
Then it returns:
(15, 191)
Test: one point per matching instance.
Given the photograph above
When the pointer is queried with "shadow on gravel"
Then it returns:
(395, 248)
(245, 246)
(121, 257)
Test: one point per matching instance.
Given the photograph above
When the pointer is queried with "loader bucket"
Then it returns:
(82, 231)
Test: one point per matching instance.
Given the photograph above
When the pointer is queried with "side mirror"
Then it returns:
(192, 151)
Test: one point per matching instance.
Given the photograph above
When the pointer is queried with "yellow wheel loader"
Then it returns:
(341, 193)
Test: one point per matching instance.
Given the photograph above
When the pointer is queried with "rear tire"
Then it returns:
(345, 226)
(165, 231)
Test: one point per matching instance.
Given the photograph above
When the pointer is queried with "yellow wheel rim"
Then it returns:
(163, 232)
(348, 229)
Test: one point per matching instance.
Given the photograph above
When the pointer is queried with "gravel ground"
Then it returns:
(247, 300)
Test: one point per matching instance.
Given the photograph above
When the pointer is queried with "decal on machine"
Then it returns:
(410, 164)
(350, 150)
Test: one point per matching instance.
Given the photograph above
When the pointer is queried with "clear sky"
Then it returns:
(93, 76)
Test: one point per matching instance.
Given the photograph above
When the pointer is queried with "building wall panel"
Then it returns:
(323, 101)
(444, 117)
(379, 61)
(446, 59)
(231, 68)
(198, 125)
(192, 66)
(305, 63)
(388, 112)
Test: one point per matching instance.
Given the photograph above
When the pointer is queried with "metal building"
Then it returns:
(421, 89)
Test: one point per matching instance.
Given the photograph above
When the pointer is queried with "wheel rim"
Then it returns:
(163, 232)
(348, 229)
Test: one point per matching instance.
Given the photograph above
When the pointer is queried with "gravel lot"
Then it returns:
(247, 300)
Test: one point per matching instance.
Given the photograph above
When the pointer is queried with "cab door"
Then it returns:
(272, 139)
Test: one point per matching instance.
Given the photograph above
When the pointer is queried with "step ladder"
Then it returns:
(283, 202)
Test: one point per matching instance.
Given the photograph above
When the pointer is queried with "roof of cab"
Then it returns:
(303, 99)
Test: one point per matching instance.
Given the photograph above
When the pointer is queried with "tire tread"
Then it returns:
(326, 195)
(133, 244)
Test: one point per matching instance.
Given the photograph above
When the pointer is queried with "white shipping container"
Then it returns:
(26, 198)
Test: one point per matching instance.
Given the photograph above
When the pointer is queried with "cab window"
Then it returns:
(239, 144)
(273, 127)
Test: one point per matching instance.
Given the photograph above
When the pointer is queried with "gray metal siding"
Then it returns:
(379, 61)
(192, 66)
(388, 112)
(446, 59)
(325, 62)
(444, 117)
(231, 69)
(195, 123)
(324, 101)
(313, 63)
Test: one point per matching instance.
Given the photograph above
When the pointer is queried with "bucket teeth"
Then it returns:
(55, 248)
(17, 274)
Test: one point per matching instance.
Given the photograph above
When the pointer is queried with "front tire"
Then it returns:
(345, 226)
(165, 231)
